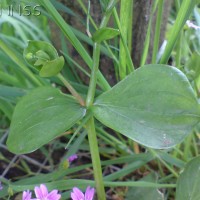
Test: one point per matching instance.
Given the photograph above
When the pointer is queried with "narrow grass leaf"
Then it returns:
(7, 108)
(11, 94)
(73, 39)
(183, 14)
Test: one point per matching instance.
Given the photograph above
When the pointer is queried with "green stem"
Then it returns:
(148, 36)
(179, 51)
(90, 126)
(179, 42)
(130, 27)
(183, 14)
(129, 60)
(95, 27)
(96, 56)
(124, 20)
(93, 79)
(92, 137)
(187, 148)
(157, 31)
(83, 122)
(88, 21)
(71, 89)
(142, 184)
(177, 5)
(85, 11)
(73, 39)
(195, 145)
(154, 153)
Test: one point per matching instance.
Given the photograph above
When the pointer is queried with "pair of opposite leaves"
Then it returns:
(155, 106)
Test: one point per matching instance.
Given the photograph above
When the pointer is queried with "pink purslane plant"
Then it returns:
(77, 194)
(41, 193)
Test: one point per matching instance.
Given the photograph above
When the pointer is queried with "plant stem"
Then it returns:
(93, 79)
(148, 35)
(142, 184)
(92, 137)
(111, 54)
(154, 153)
(183, 14)
(130, 27)
(130, 66)
(90, 126)
(71, 89)
(179, 50)
(96, 56)
(124, 22)
(157, 31)
(66, 29)
(180, 40)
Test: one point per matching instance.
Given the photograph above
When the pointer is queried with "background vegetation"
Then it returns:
(158, 33)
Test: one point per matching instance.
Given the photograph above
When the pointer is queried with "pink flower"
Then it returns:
(78, 194)
(72, 158)
(42, 193)
(26, 195)
(89, 193)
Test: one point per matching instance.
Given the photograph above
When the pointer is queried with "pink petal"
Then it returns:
(26, 195)
(53, 195)
(72, 158)
(77, 194)
(41, 192)
(89, 193)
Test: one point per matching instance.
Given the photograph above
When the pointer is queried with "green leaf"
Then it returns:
(155, 106)
(39, 117)
(105, 34)
(189, 181)
(49, 68)
(142, 193)
(39, 48)
(43, 56)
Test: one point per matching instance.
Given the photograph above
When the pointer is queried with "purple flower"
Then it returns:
(42, 193)
(1, 187)
(72, 158)
(26, 195)
(78, 194)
